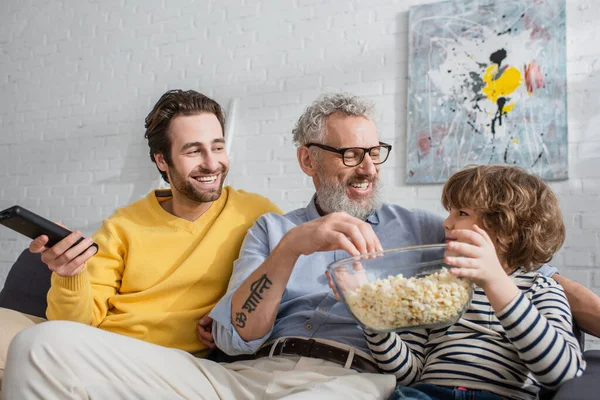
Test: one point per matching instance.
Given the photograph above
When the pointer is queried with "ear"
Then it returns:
(160, 162)
(307, 162)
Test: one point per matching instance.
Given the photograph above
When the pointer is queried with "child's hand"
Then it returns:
(480, 264)
(476, 257)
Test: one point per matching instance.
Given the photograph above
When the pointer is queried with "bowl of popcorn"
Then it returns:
(409, 287)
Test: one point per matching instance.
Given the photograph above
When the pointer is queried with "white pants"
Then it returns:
(67, 360)
(11, 323)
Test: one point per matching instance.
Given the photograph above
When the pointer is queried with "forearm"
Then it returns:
(394, 356)
(585, 305)
(543, 340)
(501, 292)
(255, 303)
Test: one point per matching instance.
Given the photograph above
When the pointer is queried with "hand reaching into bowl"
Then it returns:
(346, 279)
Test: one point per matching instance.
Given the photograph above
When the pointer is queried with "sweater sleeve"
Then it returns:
(85, 297)
(542, 331)
(401, 354)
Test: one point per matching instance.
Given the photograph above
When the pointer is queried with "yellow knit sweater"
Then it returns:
(155, 275)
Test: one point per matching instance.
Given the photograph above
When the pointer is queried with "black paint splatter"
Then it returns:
(498, 57)
(498, 117)
(474, 127)
(492, 154)
(538, 158)
(539, 155)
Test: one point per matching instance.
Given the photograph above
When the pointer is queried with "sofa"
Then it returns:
(28, 282)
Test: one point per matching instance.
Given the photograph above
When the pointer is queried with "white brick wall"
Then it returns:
(77, 79)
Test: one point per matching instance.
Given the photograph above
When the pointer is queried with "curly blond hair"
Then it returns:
(517, 207)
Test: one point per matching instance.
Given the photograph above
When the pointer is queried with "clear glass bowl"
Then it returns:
(409, 287)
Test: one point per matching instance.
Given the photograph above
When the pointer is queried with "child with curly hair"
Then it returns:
(516, 337)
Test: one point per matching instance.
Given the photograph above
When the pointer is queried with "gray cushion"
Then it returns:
(27, 285)
(585, 387)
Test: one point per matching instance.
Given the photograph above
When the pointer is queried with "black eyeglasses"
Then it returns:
(353, 156)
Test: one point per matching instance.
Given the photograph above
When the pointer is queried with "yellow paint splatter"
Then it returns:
(508, 107)
(507, 83)
(516, 141)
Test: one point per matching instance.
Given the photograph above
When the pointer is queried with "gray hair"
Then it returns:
(311, 125)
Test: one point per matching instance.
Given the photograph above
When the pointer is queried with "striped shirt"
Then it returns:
(513, 353)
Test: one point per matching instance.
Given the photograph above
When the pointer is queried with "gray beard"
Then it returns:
(331, 197)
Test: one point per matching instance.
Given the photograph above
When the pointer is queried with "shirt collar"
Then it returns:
(312, 213)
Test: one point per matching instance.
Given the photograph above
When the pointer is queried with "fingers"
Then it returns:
(38, 244)
(336, 231)
(204, 332)
(344, 243)
(75, 266)
(360, 233)
(461, 262)
(373, 244)
(483, 233)
(354, 234)
(71, 261)
(357, 267)
(206, 320)
(74, 252)
(206, 339)
(469, 236)
(463, 249)
(463, 273)
(59, 248)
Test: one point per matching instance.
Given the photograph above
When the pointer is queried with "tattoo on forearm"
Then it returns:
(256, 290)
(240, 319)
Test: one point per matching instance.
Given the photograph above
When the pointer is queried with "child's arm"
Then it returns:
(540, 329)
(542, 332)
(401, 354)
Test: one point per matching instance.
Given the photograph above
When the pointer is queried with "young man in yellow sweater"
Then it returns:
(164, 261)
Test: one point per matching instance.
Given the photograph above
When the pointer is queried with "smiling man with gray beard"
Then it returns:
(296, 324)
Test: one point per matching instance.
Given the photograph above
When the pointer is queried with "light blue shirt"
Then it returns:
(308, 307)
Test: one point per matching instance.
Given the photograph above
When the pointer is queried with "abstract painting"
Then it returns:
(487, 85)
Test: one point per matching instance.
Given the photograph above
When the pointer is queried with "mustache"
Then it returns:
(362, 178)
(203, 171)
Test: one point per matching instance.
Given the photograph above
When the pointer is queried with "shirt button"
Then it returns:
(308, 327)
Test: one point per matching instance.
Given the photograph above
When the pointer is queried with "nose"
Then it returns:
(448, 223)
(209, 162)
(367, 167)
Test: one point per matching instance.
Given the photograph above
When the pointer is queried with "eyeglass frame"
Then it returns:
(343, 150)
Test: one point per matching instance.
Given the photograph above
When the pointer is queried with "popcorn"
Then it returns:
(396, 302)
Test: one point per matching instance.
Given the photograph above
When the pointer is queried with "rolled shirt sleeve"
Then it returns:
(254, 252)
(547, 270)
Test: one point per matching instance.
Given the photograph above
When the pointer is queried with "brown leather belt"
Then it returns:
(314, 349)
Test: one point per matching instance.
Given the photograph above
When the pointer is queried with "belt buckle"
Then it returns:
(273, 347)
